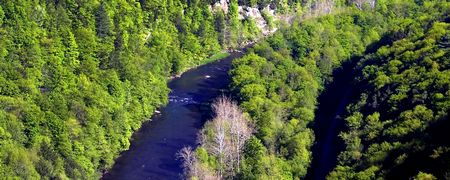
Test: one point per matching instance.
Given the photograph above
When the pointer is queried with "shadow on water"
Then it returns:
(152, 154)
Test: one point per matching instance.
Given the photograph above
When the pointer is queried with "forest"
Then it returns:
(396, 125)
(77, 78)
(398, 116)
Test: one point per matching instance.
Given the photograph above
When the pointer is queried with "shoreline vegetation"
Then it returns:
(77, 78)
(212, 58)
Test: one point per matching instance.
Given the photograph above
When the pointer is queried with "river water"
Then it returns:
(152, 154)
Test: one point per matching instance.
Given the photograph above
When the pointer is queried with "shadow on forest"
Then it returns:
(331, 110)
(434, 136)
(328, 120)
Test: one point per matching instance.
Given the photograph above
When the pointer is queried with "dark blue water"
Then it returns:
(153, 147)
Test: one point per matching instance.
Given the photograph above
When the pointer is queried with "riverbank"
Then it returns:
(220, 55)
(154, 145)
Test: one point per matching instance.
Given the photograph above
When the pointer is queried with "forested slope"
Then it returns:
(398, 126)
(77, 78)
(279, 81)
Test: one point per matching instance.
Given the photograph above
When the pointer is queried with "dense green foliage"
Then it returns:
(279, 80)
(271, 92)
(399, 124)
(78, 77)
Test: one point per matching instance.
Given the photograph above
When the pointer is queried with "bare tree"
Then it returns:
(192, 169)
(240, 131)
(222, 107)
(220, 149)
(189, 160)
(232, 129)
(224, 138)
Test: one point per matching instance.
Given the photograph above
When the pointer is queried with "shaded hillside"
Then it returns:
(397, 126)
(77, 78)
(278, 85)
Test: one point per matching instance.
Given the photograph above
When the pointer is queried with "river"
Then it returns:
(152, 154)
